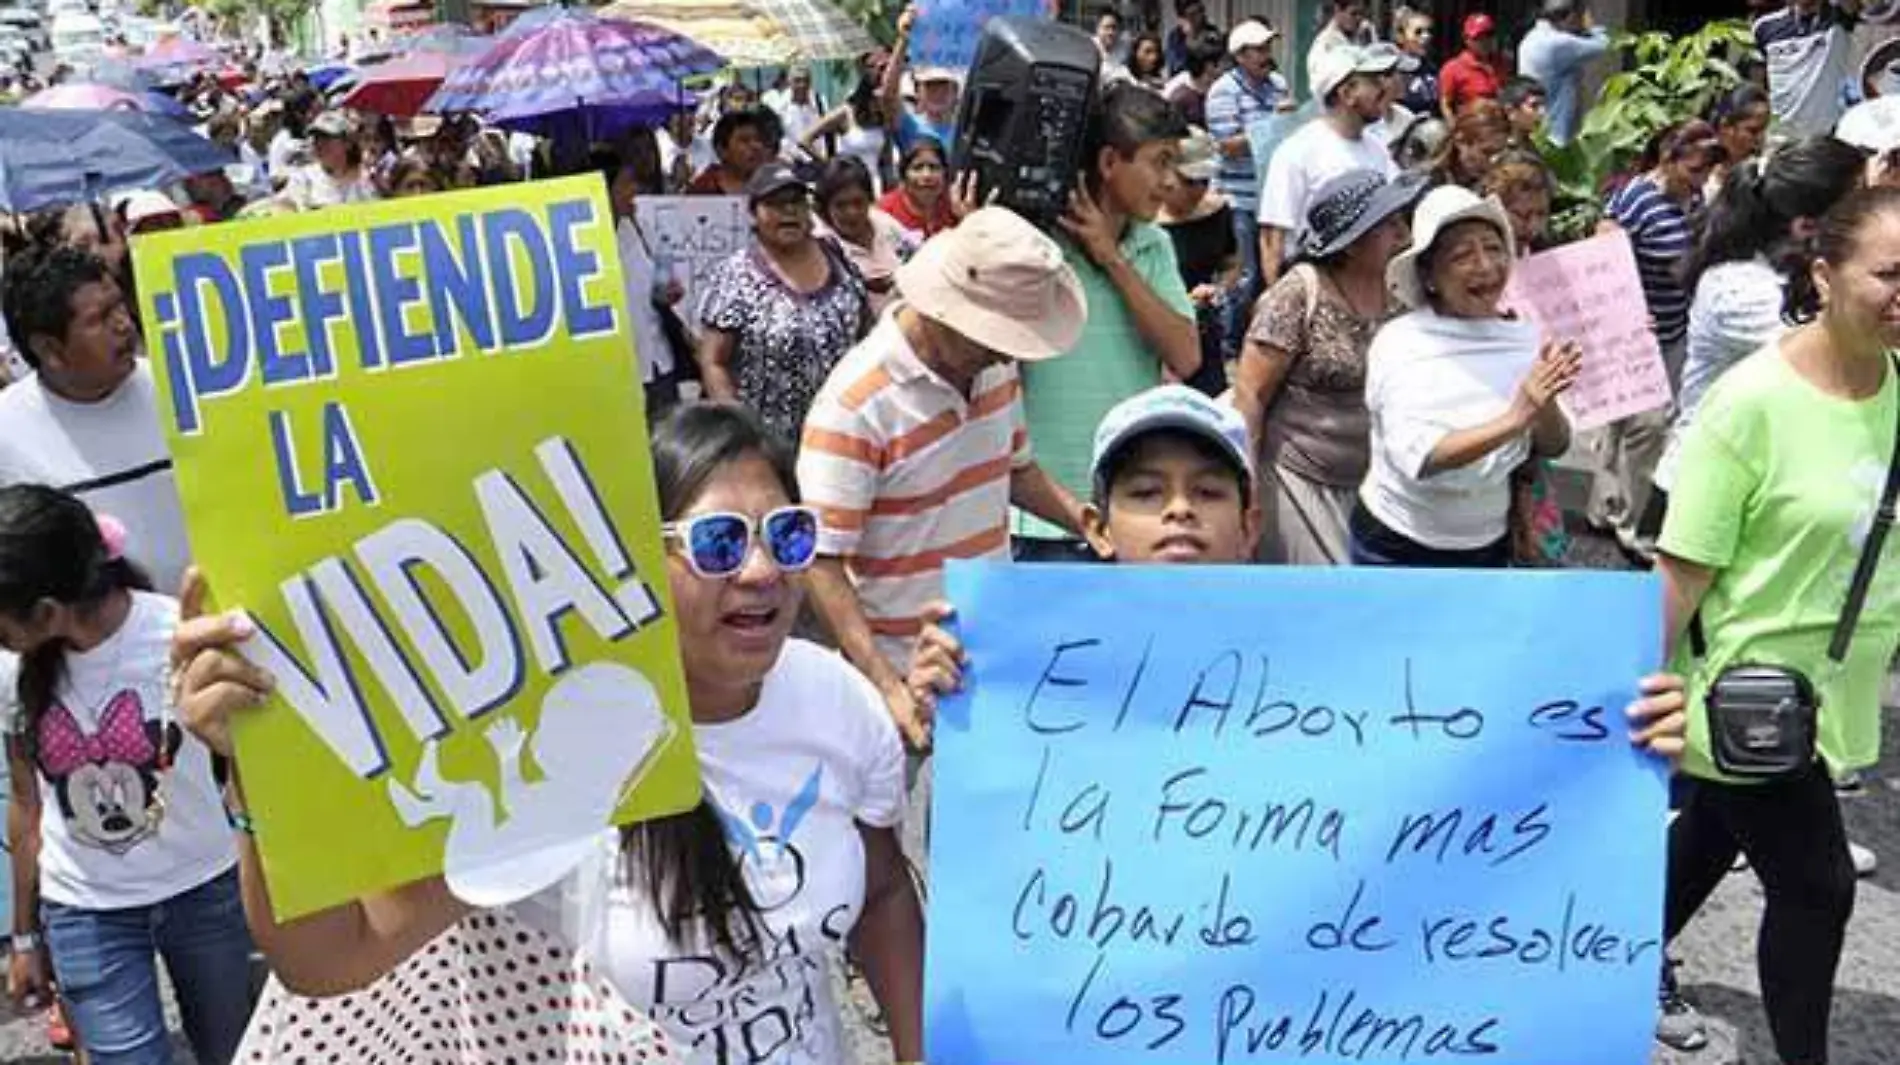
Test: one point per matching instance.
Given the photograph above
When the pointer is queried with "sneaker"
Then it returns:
(1865, 860)
(1850, 783)
(1678, 1025)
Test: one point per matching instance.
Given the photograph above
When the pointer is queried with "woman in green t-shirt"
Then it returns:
(1779, 478)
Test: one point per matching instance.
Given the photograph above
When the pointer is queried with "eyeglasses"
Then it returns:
(718, 544)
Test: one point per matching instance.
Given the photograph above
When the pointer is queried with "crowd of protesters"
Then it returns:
(1294, 349)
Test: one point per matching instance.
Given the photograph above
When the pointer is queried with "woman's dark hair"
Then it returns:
(841, 175)
(1517, 170)
(299, 108)
(1672, 142)
(409, 166)
(732, 122)
(606, 160)
(1520, 90)
(641, 153)
(224, 125)
(380, 132)
(51, 549)
(1762, 198)
(919, 147)
(1834, 243)
(683, 862)
(1161, 62)
(867, 110)
(1735, 105)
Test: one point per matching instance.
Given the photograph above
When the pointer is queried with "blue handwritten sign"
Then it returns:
(1202, 816)
(947, 31)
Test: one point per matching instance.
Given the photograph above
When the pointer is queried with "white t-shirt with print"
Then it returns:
(1307, 160)
(116, 830)
(791, 780)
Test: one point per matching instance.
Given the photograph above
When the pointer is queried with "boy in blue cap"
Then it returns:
(1174, 477)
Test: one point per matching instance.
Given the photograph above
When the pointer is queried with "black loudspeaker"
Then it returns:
(1025, 114)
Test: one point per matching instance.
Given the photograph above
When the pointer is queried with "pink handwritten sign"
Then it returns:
(1590, 292)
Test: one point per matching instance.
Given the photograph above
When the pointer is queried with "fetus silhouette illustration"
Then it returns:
(599, 727)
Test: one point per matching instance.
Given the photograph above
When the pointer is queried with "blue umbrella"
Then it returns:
(324, 75)
(159, 103)
(122, 75)
(48, 158)
(577, 75)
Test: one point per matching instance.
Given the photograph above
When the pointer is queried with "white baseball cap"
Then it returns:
(1333, 67)
(146, 205)
(1873, 126)
(1251, 34)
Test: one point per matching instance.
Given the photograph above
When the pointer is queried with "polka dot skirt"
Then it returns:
(489, 991)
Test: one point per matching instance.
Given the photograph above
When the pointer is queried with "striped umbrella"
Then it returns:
(822, 30)
(757, 32)
(402, 85)
(735, 30)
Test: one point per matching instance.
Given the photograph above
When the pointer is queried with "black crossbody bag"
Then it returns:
(1763, 718)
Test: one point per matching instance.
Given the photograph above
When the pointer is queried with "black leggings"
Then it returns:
(1791, 832)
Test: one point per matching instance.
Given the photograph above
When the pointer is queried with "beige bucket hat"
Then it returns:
(1000, 282)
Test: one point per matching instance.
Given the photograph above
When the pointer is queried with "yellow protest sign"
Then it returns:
(410, 443)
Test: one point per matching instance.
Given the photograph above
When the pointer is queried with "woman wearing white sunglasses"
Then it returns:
(719, 923)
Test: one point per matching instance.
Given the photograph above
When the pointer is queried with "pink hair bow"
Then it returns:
(112, 531)
(64, 746)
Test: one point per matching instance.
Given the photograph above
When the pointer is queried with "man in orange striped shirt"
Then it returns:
(915, 447)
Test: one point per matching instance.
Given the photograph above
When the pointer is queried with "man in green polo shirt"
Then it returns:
(1140, 328)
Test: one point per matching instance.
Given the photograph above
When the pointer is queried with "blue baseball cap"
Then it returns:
(1175, 408)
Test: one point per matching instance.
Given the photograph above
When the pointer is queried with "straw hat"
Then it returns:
(1000, 282)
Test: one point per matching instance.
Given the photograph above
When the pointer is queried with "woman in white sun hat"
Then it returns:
(1460, 393)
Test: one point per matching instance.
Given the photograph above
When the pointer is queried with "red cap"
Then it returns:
(1478, 24)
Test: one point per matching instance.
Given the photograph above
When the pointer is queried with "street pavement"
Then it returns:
(1717, 951)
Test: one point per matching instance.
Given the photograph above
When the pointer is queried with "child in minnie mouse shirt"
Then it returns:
(120, 846)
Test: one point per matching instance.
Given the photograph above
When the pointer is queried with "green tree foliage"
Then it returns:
(1665, 79)
(283, 15)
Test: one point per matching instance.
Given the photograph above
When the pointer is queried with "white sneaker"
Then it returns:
(1865, 861)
